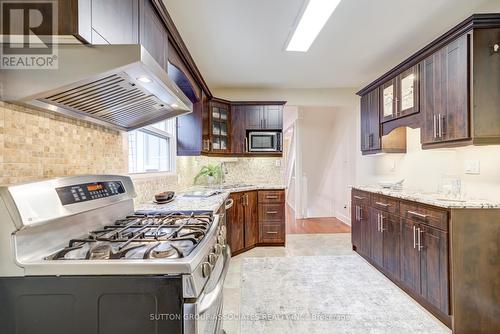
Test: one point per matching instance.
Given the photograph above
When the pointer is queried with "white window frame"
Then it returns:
(172, 149)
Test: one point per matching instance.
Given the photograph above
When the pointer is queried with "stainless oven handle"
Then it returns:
(207, 300)
(229, 203)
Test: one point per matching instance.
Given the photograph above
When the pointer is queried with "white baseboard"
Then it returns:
(344, 219)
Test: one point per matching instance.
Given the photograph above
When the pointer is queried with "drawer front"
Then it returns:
(360, 197)
(272, 233)
(431, 216)
(384, 203)
(271, 212)
(271, 196)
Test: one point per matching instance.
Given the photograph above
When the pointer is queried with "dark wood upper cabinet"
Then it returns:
(153, 33)
(254, 116)
(370, 134)
(448, 89)
(115, 21)
(264, 117)
(445, 92)
(217, 138)
(399, 96)
(238, 129)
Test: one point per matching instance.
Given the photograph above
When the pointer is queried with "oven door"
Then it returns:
(264, 141)
(204, 316)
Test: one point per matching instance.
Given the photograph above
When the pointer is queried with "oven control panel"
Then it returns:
(89, 191)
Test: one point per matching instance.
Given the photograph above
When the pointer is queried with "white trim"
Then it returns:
(150, 175)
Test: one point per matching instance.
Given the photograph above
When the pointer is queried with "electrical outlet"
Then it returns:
(278, 163)
(472, 167)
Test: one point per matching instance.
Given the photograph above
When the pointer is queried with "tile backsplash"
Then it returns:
(37, 145)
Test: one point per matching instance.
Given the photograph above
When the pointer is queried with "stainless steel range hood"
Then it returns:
(119, 86)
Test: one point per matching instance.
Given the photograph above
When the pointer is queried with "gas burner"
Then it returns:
(148, 236)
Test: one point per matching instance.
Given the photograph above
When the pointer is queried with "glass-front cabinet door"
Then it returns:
(219, 129)
(408, 92)
(388, 98)
(399, 95)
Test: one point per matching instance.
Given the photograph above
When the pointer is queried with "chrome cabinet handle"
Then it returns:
(272, 212)
(359, 197)
(382, 229)
(419, 240)
(356, 215)
(414, 237)
(435, 127)
(360, 214)
(271, 197)
(272, 232)
(245, 149)
(385, 205)
(440, 126)
(419, 215)
(378, 222)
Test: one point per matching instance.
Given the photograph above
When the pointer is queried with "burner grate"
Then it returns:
(148, 236)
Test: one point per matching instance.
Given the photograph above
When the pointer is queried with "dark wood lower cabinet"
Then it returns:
(410, 257)
(256, 220)
(434, 266)
(376, 249)
(411, 252)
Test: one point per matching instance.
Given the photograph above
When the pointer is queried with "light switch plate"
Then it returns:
(472, 167)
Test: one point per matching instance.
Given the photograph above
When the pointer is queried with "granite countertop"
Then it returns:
(432, 198)
(211, 203)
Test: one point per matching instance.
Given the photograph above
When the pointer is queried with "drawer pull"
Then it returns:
(419, 215)
(359, 197)
(272, 197)
(272, 212)
(272, 232)
(385, 205)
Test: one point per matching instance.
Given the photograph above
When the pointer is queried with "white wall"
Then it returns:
(327, 142)
(423, 170)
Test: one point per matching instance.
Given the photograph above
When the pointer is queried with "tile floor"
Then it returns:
(296, 245)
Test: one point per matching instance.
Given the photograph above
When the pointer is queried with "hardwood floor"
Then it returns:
(313, 225)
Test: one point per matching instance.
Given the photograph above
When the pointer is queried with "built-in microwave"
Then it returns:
(264, 141)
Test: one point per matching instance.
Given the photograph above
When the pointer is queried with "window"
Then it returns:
(152, 148)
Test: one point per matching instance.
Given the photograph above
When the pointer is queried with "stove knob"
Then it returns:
(218, 249)
(206, 269)
(212, 259)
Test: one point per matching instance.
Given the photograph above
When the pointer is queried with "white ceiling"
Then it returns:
(240, 43)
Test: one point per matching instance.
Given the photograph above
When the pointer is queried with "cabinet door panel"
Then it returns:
(434, 267)
(238, 133)
(408, 92)
(236, 223)
(388, 99)
(455, 122)
(355, 225)
(116, 21)
(254, 117)
(391, 246)
(376, 238)
(273, 117)
(410, 256)
(251, 219)
(374, 142)
(365, 227)
(365, 121)
(430, 96)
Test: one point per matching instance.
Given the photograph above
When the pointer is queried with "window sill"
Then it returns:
(151, 175)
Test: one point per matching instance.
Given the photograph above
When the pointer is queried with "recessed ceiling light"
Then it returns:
(144, 79)
(312, 21)
(174, 105)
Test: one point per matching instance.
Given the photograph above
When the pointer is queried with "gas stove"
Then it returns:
(80, 237)
(154, 236)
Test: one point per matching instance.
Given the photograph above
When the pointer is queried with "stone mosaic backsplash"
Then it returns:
(37, 145)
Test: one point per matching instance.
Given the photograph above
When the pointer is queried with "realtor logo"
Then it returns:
(27, 31)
